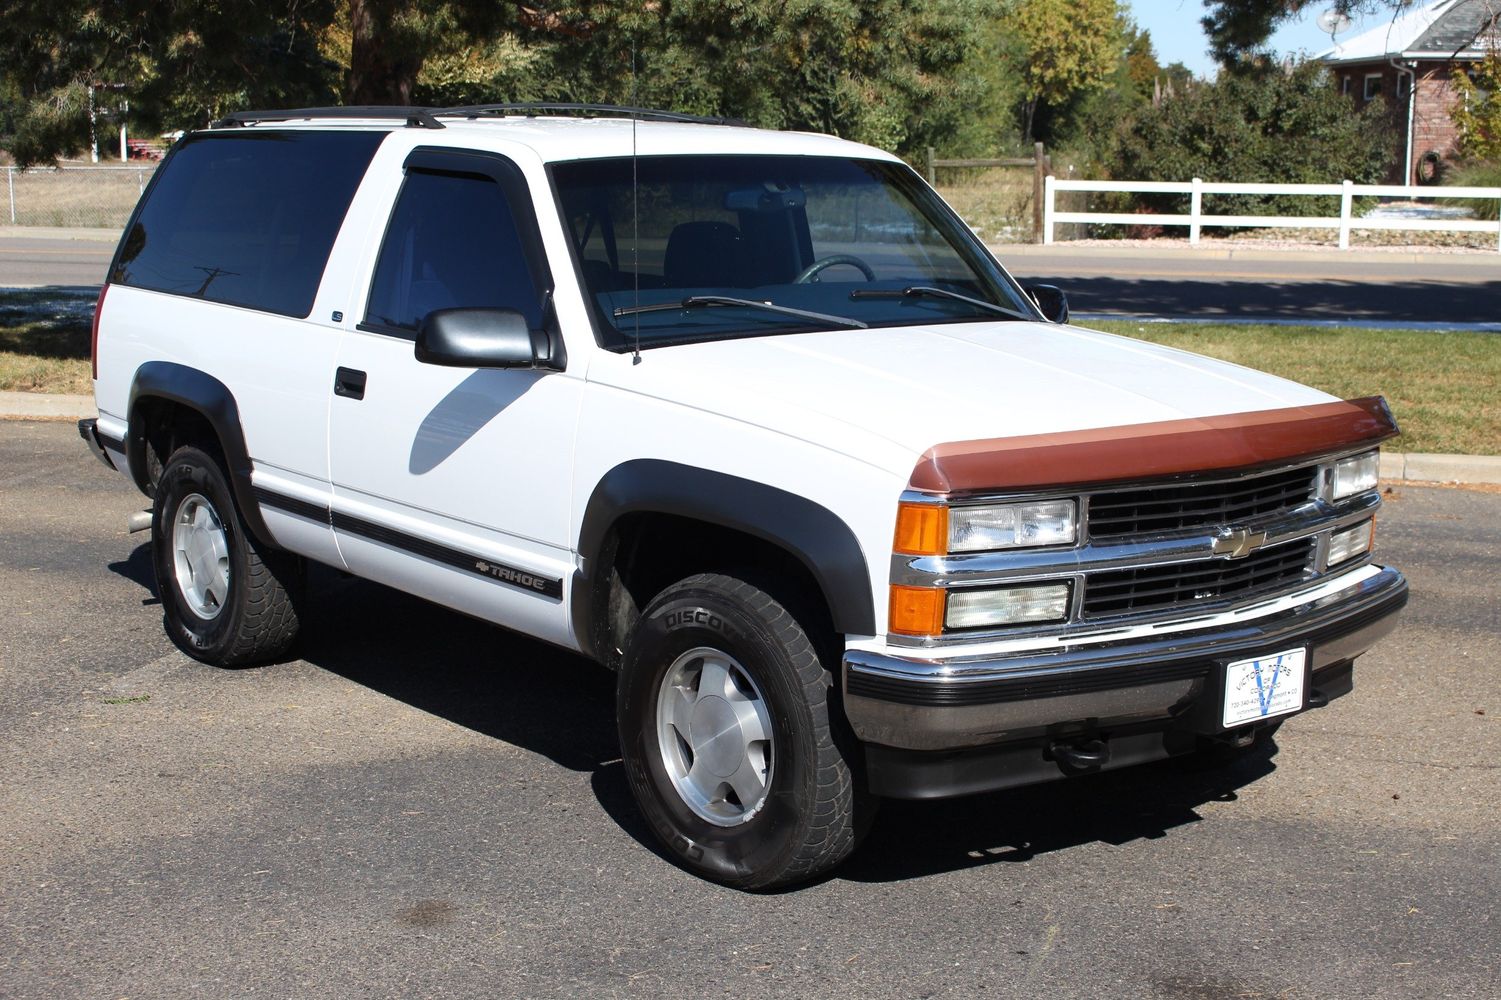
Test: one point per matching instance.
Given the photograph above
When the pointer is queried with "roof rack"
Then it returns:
(414, 117)
(428, 117)
(532, 109)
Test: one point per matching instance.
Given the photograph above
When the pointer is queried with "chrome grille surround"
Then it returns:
(1184, 552)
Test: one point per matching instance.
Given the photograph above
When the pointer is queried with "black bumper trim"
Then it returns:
(1023, 688)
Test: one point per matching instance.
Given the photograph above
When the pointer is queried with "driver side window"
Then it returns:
(452, 242)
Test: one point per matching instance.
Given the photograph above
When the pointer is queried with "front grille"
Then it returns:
(1154, 588)
(1175, 506)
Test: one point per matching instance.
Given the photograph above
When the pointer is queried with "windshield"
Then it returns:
(713, 247)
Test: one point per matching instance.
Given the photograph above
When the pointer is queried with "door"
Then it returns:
(454, 483)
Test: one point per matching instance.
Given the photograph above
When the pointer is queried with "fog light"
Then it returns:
(1012, 525)
(1346, 545)
(1011, 606)
(1356, 475)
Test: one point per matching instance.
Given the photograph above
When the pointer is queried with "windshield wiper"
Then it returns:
(930, 291)
(693, 301)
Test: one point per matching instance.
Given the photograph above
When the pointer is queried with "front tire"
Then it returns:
(228, 599)
(728, 740)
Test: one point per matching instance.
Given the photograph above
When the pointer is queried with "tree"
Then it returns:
(883, 71)
(1478, 111)
(1263, 126)
(181, 62)
(1069, 47)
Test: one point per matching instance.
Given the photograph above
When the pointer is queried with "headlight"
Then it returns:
(1011, 606)
(1346, 545)
(1012, 525)
(1356, 475)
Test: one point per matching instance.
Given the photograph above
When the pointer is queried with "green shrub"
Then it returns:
(1262, 125)
(1478, 173)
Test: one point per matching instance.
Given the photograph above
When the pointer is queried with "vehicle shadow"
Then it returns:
(562, 706)
(916, 839)
(137, 568)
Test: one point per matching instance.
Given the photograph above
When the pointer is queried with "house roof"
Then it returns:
(1445, 29)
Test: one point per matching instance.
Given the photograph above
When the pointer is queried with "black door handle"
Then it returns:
(350, 383)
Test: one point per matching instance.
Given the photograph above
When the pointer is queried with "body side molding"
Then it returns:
(813, 534)
(209, 397)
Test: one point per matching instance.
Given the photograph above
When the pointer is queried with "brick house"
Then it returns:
(1410, 64)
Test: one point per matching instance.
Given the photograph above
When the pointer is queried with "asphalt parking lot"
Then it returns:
(422, 806)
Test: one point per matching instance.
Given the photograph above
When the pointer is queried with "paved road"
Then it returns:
(423, 806)
(1367, 287)
(1298, 285)
(42, 260)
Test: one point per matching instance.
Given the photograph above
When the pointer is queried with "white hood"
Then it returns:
(885, 396)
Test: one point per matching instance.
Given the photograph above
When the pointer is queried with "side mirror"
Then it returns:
(1050, 300)
(485, 338)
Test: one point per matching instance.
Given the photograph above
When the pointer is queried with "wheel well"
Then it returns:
(644, 553)
(164, 425)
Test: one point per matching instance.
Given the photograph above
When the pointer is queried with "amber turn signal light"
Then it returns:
(922, 529)
(916, 611)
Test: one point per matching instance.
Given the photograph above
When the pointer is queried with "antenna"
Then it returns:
(1333, 22)
(635, 217)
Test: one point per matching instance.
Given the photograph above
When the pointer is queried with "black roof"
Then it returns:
(1461, 28)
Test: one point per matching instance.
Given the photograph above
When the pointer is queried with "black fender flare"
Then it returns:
(211, 399)
(813, 534)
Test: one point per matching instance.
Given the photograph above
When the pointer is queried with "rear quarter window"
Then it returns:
(246, 219)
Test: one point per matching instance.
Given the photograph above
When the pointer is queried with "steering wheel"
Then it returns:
(813, 270)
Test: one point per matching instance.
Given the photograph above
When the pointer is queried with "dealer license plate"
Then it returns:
(1264, 687)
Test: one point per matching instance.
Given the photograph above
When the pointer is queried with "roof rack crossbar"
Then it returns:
(414, 117)
(538, 108)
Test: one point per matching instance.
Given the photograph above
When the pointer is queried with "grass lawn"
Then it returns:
(1445, 388)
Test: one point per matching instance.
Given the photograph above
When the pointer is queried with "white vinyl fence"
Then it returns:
(93, 197)
(1196, 220)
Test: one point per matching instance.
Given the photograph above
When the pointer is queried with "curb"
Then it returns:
(46, 406)
(1428, 468)
(1395, 466)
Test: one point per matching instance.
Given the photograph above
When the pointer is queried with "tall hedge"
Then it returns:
(1266, 125)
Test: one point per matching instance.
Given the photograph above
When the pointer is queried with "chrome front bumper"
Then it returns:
(956, 703)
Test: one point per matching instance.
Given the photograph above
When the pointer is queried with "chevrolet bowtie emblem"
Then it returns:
(1237, 543)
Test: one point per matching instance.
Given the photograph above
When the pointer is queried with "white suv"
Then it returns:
(749, 417)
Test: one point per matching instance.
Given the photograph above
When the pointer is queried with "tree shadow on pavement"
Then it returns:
(49, 322)
(1355, 301)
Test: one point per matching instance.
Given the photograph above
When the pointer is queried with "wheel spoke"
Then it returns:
(749, 782)
(707, 782)
(714, 677)
(754, 725)
(680, 712)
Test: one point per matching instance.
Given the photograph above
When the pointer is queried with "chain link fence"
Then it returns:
(74, 197)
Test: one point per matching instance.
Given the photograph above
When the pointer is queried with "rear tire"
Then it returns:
(228, 599)
(728, 741)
